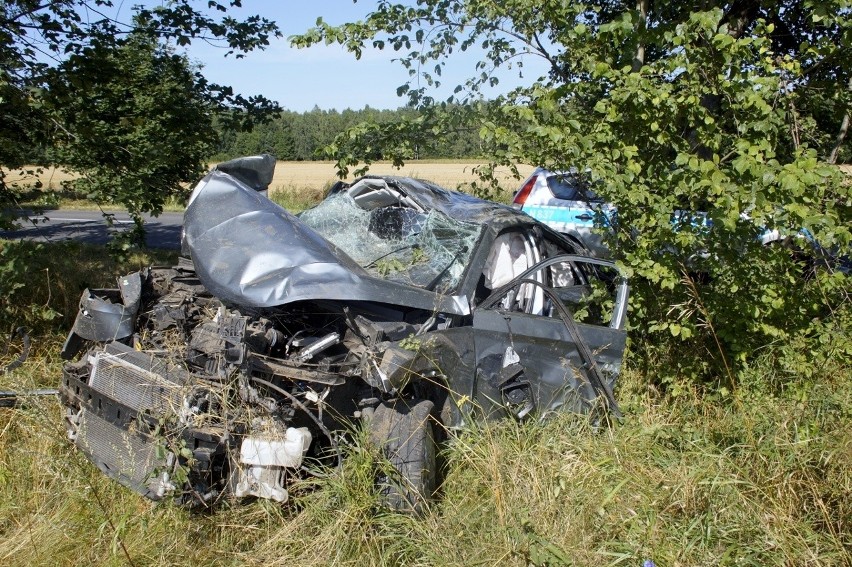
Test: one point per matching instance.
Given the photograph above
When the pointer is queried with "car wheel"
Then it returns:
(404, 432)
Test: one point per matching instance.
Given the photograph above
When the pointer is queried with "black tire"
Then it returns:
(405, 434)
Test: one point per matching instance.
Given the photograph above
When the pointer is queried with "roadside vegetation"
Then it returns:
(761, 476)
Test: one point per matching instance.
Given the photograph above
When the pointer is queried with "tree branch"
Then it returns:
(841, 135)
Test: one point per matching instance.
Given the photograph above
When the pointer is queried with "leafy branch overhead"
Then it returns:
(733, 110)
(110, 99)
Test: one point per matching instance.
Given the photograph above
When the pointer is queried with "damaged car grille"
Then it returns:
(139, 381)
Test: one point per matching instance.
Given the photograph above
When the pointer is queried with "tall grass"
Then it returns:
(765, 480)
(298, 198)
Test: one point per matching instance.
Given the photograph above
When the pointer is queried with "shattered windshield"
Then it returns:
(397, 243)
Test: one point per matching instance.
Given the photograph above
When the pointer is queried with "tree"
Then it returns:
(134, 119)
(52, 52)
(719, 108)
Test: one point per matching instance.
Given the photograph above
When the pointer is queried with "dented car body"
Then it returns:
(394, 303)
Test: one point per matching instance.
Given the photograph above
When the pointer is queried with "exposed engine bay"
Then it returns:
(205, 399)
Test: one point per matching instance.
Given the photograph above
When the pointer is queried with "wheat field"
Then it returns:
(295, 185)
(450, 174)
(319, 175)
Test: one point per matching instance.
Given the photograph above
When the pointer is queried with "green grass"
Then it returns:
(762, 479)
(297, 198)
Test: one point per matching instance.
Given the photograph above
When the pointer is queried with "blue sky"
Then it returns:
(325, 76)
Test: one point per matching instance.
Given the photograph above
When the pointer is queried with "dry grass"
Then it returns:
(295, 185)
(446, 173)
(52, 178)
(315, 174)
(298, 185)
(682, 484)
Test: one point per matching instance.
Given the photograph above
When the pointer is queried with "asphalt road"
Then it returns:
(90, 227)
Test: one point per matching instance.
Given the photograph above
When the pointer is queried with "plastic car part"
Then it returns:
(512, 254)
(25, 350)
(524, 193)
(263, 461)
(10, 399)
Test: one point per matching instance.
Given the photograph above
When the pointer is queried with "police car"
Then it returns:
(565, 202)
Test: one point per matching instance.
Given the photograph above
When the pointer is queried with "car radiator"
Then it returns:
(120, 415)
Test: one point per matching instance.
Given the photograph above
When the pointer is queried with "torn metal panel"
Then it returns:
(254, 171)
(102, 318)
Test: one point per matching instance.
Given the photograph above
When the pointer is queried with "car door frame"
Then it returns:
(537, 337)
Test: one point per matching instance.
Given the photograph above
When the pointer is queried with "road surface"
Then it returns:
(90, 227)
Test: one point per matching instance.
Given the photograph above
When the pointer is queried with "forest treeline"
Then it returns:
(302, 136)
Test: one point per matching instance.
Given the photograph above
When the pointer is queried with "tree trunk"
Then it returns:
(841, 135)
(639, 58)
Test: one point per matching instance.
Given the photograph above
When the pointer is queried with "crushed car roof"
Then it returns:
(456, 205)
(250, 251)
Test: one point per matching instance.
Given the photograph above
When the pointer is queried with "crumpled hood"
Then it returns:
(250, 251)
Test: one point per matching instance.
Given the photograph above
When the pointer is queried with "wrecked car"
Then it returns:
(394, 305)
